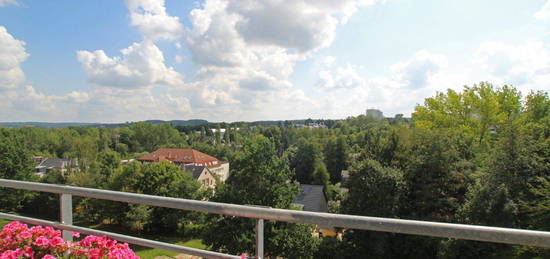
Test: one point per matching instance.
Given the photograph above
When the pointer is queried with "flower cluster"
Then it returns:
(17, 240)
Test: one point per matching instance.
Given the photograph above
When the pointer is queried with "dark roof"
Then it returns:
(312, 198)
(195, 170)
(58, 163)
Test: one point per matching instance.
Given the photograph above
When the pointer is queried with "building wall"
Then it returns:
(206, 179)
(221, 171)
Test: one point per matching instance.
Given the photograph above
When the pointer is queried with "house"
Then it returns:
(46, 165)
(202, 174)
(312, 198)
(204, 168)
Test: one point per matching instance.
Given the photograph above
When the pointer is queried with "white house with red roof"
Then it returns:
(204, 168)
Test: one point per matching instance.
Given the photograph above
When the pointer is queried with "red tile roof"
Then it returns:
(186, 156)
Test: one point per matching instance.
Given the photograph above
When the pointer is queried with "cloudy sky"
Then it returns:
(220, 60)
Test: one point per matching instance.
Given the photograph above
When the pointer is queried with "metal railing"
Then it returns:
(415, 227)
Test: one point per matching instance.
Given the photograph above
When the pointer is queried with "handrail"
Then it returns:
(415, 227)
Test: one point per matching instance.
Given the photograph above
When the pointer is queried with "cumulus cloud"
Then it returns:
(12, 54)
(141, 65)
(342, 77)
(152, 20)
(544, 13)
(407, 83)
(247, 50)
(526, 65)
(242, 70)
(416, 71)
(9, 2)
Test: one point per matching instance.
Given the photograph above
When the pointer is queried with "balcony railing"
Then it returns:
(414, 227)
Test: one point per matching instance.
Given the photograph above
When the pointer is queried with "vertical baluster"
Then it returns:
(67, 215)
(260, 239)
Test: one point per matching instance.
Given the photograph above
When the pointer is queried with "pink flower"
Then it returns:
(25, 235)
(57, 241)
(95, 253)
(109, 243)
(42, 241)
(19, 241)
(28, 251)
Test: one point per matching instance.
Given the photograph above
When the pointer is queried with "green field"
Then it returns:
(149, 253)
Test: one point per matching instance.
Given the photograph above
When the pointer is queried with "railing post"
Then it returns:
(260, 238)
(67, 214)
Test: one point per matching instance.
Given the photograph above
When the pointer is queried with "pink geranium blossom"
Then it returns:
(19, 241)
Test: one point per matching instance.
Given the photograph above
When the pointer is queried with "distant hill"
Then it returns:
(97, 125)
(45, 124)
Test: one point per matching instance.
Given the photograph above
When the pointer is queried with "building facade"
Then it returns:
(204, 168)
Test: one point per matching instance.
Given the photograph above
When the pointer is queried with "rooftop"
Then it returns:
(185, 156)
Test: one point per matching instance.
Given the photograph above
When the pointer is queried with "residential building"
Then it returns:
(204, 168)
(46, 165)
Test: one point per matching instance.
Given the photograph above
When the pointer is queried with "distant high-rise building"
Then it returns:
(375, 113)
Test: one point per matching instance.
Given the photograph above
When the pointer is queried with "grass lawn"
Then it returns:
(149, 253)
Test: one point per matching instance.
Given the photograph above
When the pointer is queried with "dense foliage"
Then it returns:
(479, 156)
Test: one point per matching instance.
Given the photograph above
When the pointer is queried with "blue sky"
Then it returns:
(113, 61)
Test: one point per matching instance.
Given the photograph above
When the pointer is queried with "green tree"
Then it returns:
(218, 134)
(259, 177)
(303, 163)
(320, 174)
(336, 157)
(374, 190)
(162, 179)
(16, 164)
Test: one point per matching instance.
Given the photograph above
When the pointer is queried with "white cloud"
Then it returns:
(247, 50)
(12, 54)
(544, 13)
(328, 60)
(408, 82)
(417, 71)
(141, 65)
(9, 2)
(524, 65)
(342, 77)
(152, 20)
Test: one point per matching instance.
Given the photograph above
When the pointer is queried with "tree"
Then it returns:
(162, 179)
(336, 157)
(259, 177)
(108, 161)
(374, 190)
(303, 162)
(218, 134)
(320, 174)
(16, 164)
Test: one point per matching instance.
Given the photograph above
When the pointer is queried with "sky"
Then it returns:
(246, 60)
